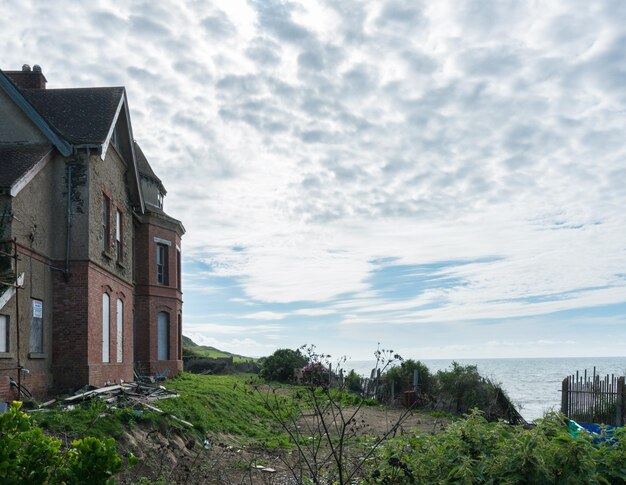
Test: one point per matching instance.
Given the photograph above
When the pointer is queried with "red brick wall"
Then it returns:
(70, 327)
(100, 372)
(77, 335)
(7, 394)
(151, 298)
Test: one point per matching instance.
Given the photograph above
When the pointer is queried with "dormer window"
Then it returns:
(160, 200)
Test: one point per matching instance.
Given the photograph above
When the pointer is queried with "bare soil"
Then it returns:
(224, 460)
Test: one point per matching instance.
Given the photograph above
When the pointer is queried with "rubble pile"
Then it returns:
(126, 394)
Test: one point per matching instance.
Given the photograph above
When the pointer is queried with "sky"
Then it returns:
(444, 178)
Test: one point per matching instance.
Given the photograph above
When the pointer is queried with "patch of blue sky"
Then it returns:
(400, 281)
(207, 294)
(564, 295)
(592, 318)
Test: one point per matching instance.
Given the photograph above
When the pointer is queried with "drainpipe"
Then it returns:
(17, 318)
(66, 271)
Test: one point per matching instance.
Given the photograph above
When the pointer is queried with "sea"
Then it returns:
(532, 384)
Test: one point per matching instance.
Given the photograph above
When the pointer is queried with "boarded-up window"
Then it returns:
(164, 336)
(106, 314)
(36, 327)
(120, 331)
(4, 333)
(180, 337)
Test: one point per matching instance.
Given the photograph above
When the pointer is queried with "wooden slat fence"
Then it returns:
(593, 398)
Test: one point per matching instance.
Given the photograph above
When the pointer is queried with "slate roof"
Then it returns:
(145, 170)
(17, 160)
(80, 115)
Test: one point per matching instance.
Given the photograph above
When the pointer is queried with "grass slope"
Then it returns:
(192, 349)
(224, 404)
(215, 405)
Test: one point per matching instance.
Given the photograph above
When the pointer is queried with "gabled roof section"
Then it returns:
(19, 163)
(18, 98)
(83, 116)
(145, 170)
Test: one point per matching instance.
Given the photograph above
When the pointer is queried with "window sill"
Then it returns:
(37, 355)
(7, 355)
(120, 264)
(107, 255)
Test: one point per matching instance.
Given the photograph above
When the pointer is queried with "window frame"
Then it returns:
(120, 330)
(106, 328)
(163, 353)
(35, 340)
(162, 264)
(106, 223)
(5, 336)
(119, 234)
(179, 276)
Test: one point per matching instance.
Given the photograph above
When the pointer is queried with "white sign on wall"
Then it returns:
(37, 309)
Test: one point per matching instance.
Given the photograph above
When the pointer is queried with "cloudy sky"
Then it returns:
(447, 178)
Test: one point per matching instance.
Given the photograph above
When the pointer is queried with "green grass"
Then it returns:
(213, 404)
(224, 404)
(218, 406)
(94, 418)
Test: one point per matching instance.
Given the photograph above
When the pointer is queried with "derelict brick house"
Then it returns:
(98, 265)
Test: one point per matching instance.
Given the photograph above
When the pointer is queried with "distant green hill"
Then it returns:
(192, 349)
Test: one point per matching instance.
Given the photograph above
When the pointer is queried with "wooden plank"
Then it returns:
(565, 397)
(92, 393)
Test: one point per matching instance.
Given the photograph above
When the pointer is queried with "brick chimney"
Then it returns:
(27, 78)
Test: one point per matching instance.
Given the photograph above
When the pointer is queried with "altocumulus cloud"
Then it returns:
(335, 142)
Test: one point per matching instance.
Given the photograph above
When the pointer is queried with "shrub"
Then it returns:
(461, 389)
(402, 376)
(475, 451)
(28, 456)
(280, 365)
(353, 382)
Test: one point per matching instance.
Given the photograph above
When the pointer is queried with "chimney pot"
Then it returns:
(27, 78)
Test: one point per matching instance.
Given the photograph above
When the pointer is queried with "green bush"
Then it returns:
(475, 451)
(280, 365)
(402, 376)
(353, 382)
(28, 456)
(461, 389)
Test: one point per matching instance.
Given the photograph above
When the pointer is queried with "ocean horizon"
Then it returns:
(533, 384)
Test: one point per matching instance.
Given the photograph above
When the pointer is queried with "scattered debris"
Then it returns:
(134, 390)
(264, 468)
(126, 394)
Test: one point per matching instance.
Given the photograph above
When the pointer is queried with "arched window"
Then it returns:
(106, 319)
(180, 337)
(120, 330)
(163, 321)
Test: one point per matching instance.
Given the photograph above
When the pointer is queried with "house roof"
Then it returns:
(79, 115)
(18, 160)
(145, 170)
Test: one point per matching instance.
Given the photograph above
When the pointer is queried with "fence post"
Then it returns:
(619, 405)
(564, 396)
